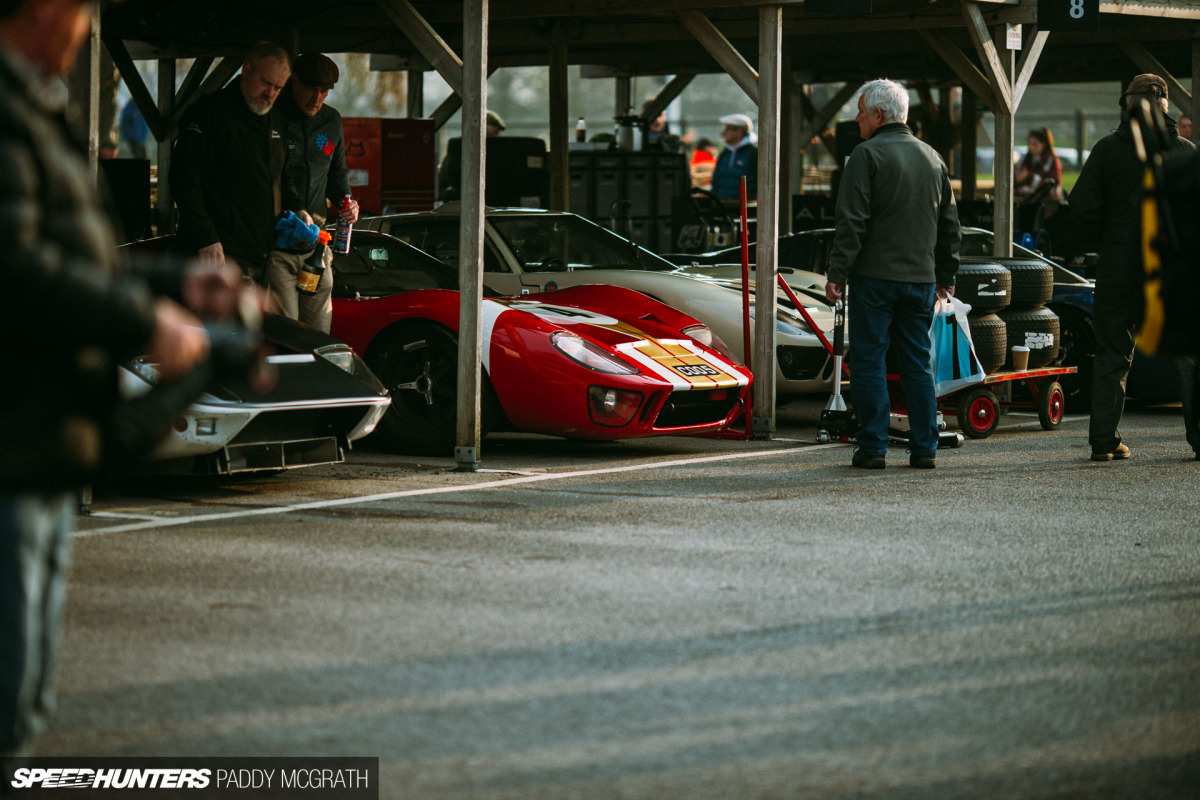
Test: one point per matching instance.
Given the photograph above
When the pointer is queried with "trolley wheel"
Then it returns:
(978, 413)
(1050, 406)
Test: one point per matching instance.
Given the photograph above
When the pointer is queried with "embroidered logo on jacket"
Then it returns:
(324, 145)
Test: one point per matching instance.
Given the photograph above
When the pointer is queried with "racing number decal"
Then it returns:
(696, 370)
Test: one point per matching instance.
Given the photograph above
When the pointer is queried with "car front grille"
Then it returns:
(701, 407)
(303, 423)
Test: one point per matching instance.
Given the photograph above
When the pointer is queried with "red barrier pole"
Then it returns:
(746, 304)
(808, 318)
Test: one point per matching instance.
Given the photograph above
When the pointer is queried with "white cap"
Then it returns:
(738, 121)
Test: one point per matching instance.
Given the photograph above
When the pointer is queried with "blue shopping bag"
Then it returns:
(953, 358)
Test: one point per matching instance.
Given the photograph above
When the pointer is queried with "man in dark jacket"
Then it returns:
(1104, 217)
(71, 319)
(227, 168)
(896, 243)
(316, 166)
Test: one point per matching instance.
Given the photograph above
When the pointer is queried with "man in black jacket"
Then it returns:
(316, 166)
(227, 169)
(72, 317)
(1104, 217)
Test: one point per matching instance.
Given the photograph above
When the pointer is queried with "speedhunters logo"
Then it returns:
(244, 778)
(75, 778)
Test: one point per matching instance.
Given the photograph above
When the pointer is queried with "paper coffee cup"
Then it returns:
(1020, 357)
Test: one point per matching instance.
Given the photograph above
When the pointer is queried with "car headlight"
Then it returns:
(146, 370)
(589, 355)
(341, 356)
(704, 335)
(787, 323)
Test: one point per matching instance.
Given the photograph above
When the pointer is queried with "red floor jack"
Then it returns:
(837, 421)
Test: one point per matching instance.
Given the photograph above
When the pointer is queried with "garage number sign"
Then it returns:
(1068, 15)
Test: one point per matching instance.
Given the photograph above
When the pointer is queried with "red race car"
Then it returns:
(589, 362)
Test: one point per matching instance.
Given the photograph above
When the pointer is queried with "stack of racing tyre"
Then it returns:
(1008, 307)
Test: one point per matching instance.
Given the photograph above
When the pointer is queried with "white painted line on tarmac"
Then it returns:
(474, 487)
(117, 515)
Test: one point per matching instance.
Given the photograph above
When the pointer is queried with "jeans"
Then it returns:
(1115, 319)
(35, 542)
(881, 313)
(1189, 381)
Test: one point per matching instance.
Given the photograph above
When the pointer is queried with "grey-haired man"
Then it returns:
(897, 245)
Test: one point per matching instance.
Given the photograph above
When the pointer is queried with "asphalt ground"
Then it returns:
(667, 618)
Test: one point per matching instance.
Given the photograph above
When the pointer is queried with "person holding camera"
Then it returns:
(1104, 209)
(74, 318)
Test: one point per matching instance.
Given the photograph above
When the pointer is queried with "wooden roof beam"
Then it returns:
(1027, 63)
(673, 89)
(725, 54)
(996, 74)
(963, 67)
(1146, 62)
(427, 41)
(817, 119)
(137, 88)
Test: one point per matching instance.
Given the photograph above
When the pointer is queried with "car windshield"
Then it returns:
(979, 242)
(557, 242)
(377, 266)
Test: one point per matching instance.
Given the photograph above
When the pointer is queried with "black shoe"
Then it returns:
(867, 461)
(926, 461)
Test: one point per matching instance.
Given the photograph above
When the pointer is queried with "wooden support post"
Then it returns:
(559, 115)
(770, 45)
(787, 149)
(84, 86)
(1002, 225)
(470, 246)
(1194, 111)
(164, 204)
(416, 94)
(623, 102)
(969, 126)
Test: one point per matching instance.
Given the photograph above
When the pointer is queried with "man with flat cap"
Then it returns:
(1104, 218)
(316, 164)
(739, 159)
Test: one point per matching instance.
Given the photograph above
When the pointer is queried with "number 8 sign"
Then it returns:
(1068, 15)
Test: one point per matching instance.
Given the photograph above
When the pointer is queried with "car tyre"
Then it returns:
(419, 366)
(984, 286)
(1035, 328)
(1032, 283)
(989, 335)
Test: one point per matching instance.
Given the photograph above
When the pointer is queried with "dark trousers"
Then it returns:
(882, 313)
(1115, 319)
(1189, 381)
